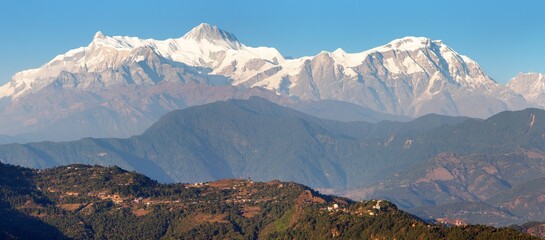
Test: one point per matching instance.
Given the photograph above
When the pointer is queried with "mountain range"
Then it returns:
(118, 86)
(424, 166)
(412, 121)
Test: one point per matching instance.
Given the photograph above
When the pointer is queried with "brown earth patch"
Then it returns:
(71, 206)
(140, 212)
(250, 211)
(88, 210)
(191, 222)
(307, 197)
(38, 215)
(225, 183)
(210, 218)
(273, 182)
(439, 173)
(538, 230)
(535, 155)
(115, 198)
(490, 170)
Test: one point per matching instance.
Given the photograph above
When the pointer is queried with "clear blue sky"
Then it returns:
(504, 37)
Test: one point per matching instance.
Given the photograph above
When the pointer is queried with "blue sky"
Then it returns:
(504, 37)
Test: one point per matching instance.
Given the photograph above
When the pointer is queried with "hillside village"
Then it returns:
(81, 201)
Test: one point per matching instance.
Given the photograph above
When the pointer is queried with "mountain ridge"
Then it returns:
(210, 47)
(407, 77)
(261, 140)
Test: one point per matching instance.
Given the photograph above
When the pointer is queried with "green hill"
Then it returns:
(240, 139)
(93, 202)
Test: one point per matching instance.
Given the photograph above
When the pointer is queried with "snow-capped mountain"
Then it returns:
(205, 46)
(126, 77)
(409, 76)
(531, 86)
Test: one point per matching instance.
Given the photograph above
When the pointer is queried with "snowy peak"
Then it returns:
(420, 54)
(408, 76)
(527, 82)
(531, 86)
(409, 43)
(400, 48)
(119, 43)
(144, 53)
(204, 46)
(213, 35)
(99, 35)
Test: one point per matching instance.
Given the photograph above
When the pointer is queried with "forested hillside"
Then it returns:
(92, 202)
